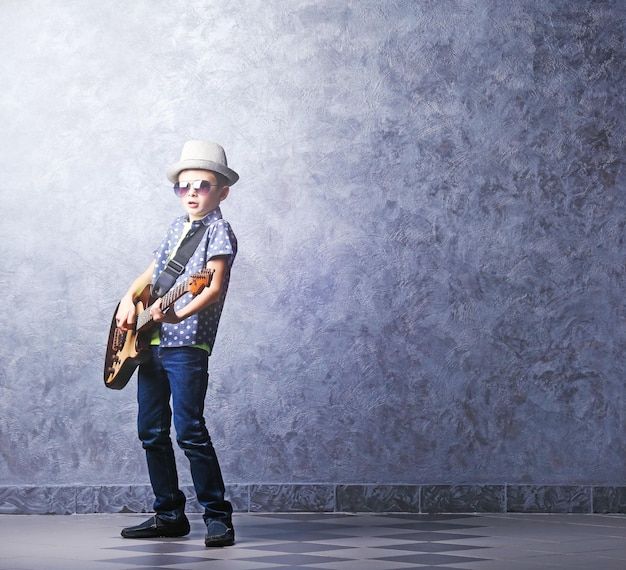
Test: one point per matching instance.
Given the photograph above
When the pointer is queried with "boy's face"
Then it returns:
(195, 202)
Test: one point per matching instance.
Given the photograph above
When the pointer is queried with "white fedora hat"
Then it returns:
(203, 155)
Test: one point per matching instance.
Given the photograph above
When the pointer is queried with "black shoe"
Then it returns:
(155, 527)
(219, 534)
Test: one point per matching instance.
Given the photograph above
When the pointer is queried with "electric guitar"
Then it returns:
(128, 349)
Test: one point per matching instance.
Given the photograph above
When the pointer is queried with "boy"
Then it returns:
(178, 367)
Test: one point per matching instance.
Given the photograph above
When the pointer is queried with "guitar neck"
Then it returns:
(145, 320)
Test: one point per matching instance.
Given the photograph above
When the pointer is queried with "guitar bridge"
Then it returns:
(119, 338)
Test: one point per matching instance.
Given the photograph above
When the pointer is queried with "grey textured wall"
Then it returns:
(431, 219)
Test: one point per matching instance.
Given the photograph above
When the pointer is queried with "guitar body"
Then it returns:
(126, 350)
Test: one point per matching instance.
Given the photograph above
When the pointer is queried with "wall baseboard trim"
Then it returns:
(327, 497)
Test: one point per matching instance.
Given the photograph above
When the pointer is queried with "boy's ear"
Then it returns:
(225, 191)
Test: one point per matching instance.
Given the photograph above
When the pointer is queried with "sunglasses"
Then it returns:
(202, 187)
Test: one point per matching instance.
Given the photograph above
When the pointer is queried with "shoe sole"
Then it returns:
(211, 544)
(219, 541)
(154, 534)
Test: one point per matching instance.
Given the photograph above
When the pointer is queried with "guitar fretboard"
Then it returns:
(145, 319)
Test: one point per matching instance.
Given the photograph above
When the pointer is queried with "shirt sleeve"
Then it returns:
(221, 240)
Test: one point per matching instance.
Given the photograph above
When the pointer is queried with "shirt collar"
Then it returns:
(211, 217)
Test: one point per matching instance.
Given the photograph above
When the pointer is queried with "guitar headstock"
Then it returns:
(198, 281)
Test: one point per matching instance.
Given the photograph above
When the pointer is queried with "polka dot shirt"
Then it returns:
(219, 239)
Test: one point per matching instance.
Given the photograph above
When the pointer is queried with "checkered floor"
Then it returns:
(322, 541)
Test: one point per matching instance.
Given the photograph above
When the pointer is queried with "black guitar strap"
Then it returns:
(176, 265)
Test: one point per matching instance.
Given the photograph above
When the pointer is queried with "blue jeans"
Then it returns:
(181, 373)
